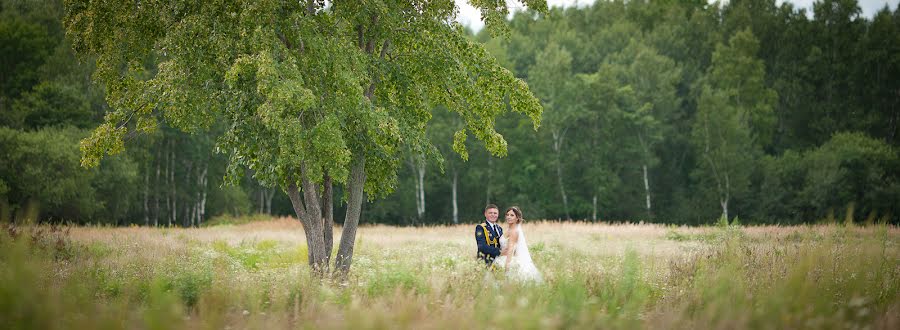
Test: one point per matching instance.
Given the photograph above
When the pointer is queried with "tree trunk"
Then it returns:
(195, 212)
(727, 196)
(354, 208)
(156, 193)
(168, 213)
(328, 205)
(557, 147)
(724, 203)
(594, 215)
(421, 193)
(309, 212)
(455, 208)
(195, 209)
(417, 166)
(269, 193)
(188, 210)
(146, 197)
(260, 198)
(201, 197)
(174, 192)
(205, 177)
(311, 194)
(647, 191)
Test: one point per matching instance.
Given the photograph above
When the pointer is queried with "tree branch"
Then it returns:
(370, 46)
(359, 36)
(285, 41)
(310, 190)
(293, 193)
(384, 48)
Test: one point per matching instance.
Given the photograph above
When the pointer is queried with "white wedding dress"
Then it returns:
(521, 267)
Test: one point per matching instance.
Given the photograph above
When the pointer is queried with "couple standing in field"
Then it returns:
(509, 252)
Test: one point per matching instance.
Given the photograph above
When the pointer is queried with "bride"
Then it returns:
(514, 255)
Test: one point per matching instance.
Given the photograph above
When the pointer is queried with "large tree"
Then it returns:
(313, 93)
(553, 81)
(648, 102)
(734, 118)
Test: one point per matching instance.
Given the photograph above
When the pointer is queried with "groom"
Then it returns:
(487, 235)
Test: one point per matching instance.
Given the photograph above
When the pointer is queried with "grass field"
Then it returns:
(596, 276)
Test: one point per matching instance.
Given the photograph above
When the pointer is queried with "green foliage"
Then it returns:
(738, 72)
(43, 170)
(852, 168)
(233, 202)
(850, 172)
(52, 104)
(26, 45)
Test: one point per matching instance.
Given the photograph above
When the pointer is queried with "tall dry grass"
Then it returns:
(596, 276)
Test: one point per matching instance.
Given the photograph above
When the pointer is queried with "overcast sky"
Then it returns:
(471, 17)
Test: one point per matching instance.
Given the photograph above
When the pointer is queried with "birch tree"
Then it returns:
(648, 101)
(553, 82)
(734, 116)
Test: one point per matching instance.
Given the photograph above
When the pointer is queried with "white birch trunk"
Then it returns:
(168, 213)
(417, 166)
(269, 194)
(202, 210)
(421, 192)
(190, 204)
(156, 193)
(727, 196)
(558, 137)
(647, 190)
(146, 197)
(194, 213)
(724, 204)
(174, 192)
(455, 208)
(195, 208)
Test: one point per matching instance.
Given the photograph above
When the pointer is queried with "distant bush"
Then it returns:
(852, 176)
(42, 179)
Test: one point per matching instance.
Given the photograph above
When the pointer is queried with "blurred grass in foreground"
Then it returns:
(596, 276)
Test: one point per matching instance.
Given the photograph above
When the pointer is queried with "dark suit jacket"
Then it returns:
(488, 242)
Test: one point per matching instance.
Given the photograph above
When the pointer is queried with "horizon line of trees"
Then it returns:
(659, 111)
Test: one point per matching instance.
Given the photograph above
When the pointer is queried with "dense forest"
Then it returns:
(657, 111)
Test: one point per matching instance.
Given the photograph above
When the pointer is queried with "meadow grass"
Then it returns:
(255, 276)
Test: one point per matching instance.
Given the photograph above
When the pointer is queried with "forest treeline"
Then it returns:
(657, 111)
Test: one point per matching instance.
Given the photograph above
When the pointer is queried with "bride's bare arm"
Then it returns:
(511, 247)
